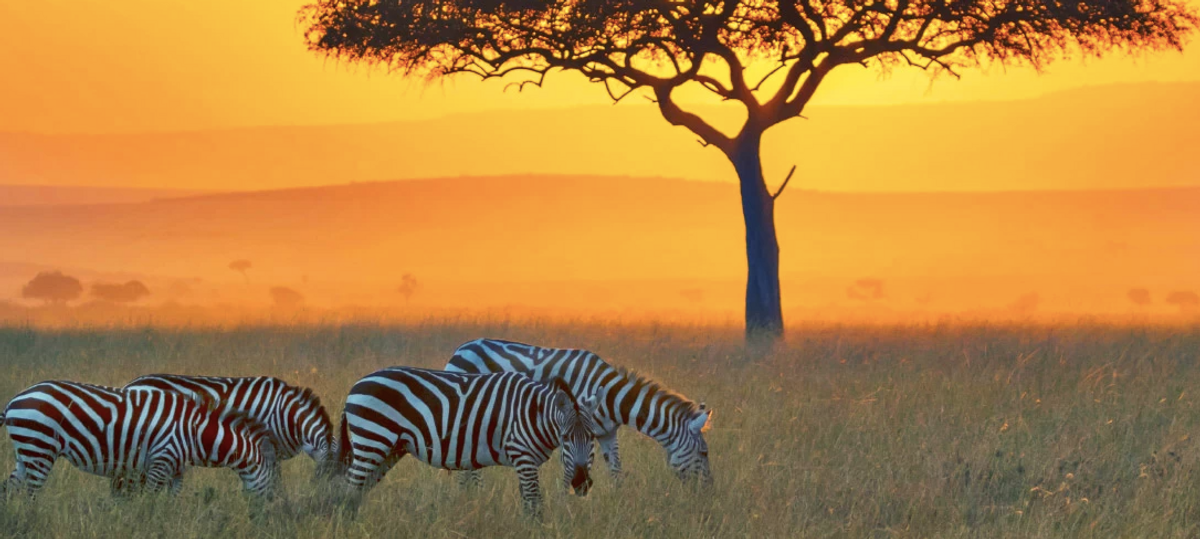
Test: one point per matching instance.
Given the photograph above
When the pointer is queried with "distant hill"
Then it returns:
(1121, 136)
(52, 195)
(622, 241)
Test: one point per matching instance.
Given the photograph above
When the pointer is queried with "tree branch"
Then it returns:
(677, 116)
(785, 182)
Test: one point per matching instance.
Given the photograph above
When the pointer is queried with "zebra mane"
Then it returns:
(668, 396)
(255, 429)
(307, 395)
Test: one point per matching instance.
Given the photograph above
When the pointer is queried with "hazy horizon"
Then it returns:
(624, 244)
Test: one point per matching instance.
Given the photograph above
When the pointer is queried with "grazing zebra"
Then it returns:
(293, 415)
(145, 434)
(465, 422)
(673, 421)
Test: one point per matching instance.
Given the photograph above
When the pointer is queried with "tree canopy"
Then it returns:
(120, 293)
(660, 45)
(768, 55)
(286, 298)
(52, 287)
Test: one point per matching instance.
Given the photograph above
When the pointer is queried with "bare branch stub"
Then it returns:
(785, 183)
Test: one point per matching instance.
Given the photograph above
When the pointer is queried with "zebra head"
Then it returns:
(577, 431)
(687, 452)
(234, 440)
(316, 430)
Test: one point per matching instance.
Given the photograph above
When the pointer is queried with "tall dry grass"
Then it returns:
(922, 431)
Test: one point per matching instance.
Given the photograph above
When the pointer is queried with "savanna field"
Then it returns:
(844, 431)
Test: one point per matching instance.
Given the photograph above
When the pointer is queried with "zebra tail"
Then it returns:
(344, 455)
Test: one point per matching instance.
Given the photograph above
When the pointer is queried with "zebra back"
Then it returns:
(112, 432)
(627, 398)
(294, 416)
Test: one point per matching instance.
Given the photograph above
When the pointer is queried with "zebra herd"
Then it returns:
(497, 403)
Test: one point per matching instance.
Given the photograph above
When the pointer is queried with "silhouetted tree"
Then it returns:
(770, 56)
(52, 287)
(120, 293)
(408, 286)
(866, 289)
(286, 298)
(1139, 296)
(1186, 300)
(241, 266)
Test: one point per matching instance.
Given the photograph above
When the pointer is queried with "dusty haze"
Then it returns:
(591, 244)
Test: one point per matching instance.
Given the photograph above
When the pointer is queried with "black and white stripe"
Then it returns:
(148, 435)
(464, 422)
(673, 421)
(293, 415)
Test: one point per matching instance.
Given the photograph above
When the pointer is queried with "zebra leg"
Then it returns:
(161, 473)
(125, 485)
(470, 479)
(16, 480)
(30, 474)
(177, 483)
(531, 493)
(365, 471)
(258, 479)
(608, 447)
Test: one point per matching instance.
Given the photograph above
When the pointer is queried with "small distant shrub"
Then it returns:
(120, 293)
(1139, 296)
(1186, 300)
(866, 289)
(286, 298)
(1026, 304)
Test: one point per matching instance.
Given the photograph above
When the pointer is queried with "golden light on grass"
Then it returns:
(925, 458)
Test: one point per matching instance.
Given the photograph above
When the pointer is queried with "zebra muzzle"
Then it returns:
(581, 482)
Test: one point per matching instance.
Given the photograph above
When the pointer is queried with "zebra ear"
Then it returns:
(562, 400)
(702, 422)
(562, 385)
(590, 404)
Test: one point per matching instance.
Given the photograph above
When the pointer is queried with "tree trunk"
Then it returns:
(764, 315)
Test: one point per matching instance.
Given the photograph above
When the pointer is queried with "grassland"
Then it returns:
(927, 431)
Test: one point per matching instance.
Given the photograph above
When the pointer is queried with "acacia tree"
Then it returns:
(768, 55)
(52, 287)
(408, 286)
(241, 266)
(129, 292)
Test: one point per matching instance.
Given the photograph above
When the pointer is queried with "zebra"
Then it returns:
(465, 422)
(293, 415)
(673, 421)
(148, 434)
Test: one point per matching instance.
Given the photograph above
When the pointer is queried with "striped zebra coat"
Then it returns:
(673, 421)
(150, 435)
(465, 422)
(294, 416)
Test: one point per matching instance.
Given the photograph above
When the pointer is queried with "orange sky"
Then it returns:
(121, 67)
(89, 66)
